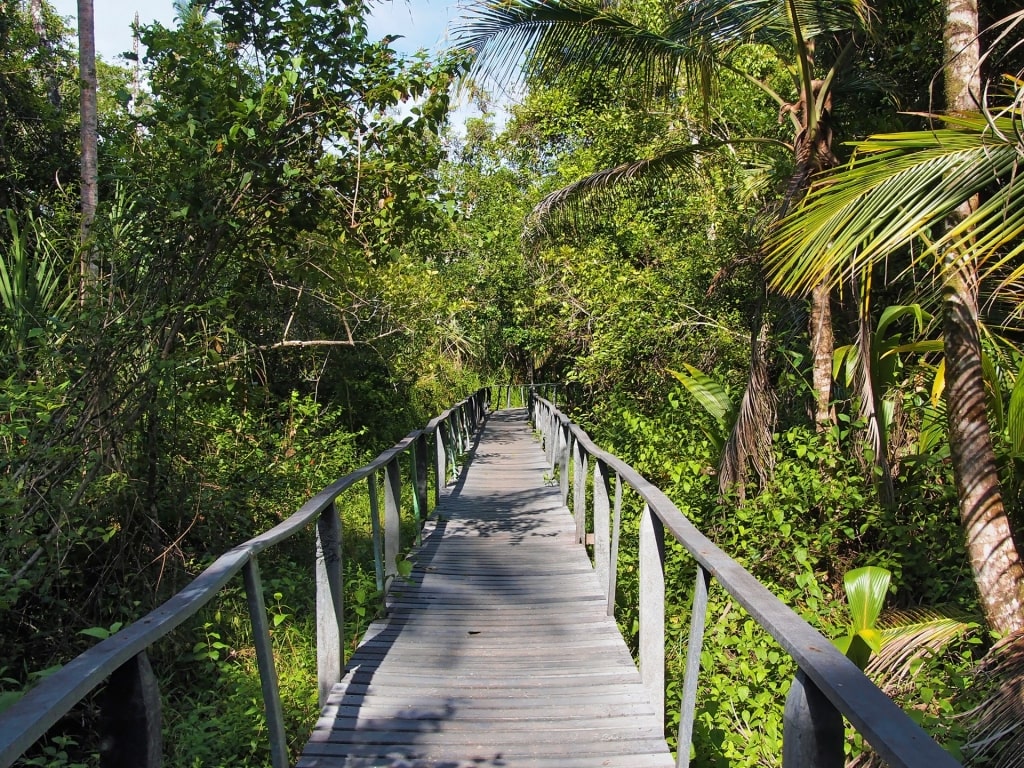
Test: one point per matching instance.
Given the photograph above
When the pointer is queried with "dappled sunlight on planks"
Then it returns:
(497, 651)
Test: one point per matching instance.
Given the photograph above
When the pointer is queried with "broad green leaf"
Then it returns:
(844, 362)
(939, 383)
(866, 589)
(708, 392)
(897, 311)
(100, 633)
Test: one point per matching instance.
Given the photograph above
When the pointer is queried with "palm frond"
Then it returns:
(573, 204)
(711, 395)
(870, 397)
(910, 636)
(550, 39)
(995, 738)
(725, 24)
(750, 441)
(897, 187)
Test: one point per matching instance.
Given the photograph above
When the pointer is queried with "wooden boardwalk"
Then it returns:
(499, 652)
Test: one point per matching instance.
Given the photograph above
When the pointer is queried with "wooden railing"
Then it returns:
(131, 702)
(518, 395)
(827, 687)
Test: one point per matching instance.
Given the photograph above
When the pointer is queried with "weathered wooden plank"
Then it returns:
(483, 751)
(472, 714)
(564, 761)
(498, 650)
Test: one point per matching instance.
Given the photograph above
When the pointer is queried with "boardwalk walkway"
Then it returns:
(499, 652)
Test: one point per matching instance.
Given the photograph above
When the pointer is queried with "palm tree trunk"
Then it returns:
(991, 549)
(993, 555)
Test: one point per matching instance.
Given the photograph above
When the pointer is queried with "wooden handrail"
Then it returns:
(842, 686)
(124, 654)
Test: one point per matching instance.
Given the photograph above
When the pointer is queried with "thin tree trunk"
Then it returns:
(822, 348)
(991, 549)
(89, 136)
(39, 25)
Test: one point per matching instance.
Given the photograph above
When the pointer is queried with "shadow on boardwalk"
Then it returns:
(497, 650)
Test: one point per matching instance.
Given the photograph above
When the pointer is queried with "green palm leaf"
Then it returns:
(1015, 416)
(897, 187)
(710, 394)
(549, 39)
(910, 636)
(575, 202)
(866, 589)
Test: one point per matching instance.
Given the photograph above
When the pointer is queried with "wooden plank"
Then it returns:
(397, 761)
(498, 649)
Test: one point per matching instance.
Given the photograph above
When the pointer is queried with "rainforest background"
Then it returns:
(296, 259)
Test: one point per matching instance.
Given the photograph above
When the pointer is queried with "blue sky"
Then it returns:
(423, 23)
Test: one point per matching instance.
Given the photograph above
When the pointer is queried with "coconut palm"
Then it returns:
(955, 190)
(551, 39)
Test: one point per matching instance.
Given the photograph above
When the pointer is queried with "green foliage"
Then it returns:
(38, 108)
(296, 269)
(713, 398)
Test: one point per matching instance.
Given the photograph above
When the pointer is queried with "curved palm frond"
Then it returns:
(896, 188)
(995, 737)
(548, 39)
(728, 23)
(910, 636)
(568, 206)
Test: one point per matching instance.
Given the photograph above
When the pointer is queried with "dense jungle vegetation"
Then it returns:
(296, 258)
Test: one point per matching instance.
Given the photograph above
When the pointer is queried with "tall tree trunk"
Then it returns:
(89, 136)
(993, 554)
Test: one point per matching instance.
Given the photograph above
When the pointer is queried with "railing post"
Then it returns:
(420, 480)
(602, 510)
(812, 729)
(508, 397)
(375, 533)
(454, 435)
(392, 518)
(564, 447)
(695, 645)
(652, 610)
(579, 491)
(265, 663)
(330, 640)
(551, 437)
(613, 558)
(440, 481)
(463, 425)
(130, 717)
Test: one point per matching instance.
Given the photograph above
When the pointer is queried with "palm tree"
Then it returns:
(902, 189)
(549, 39)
